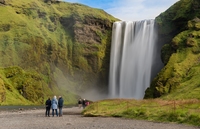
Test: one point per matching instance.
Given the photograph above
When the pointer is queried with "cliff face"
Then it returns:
(180, 33)
(66, 44)
(51, 48)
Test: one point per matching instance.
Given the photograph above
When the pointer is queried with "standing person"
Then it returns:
(48, 106)
(60, 105)
(87, 103)
(54, 104)
(83, 103)
(79, 103)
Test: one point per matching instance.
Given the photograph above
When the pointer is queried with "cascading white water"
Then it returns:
(132, 51)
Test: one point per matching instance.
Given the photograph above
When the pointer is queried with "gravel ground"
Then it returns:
(71, 119)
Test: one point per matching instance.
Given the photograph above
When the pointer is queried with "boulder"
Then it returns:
(2, 2)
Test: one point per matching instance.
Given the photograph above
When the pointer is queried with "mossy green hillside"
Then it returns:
(26, 87)
(179, 79)
(66, 44)
(20, 87)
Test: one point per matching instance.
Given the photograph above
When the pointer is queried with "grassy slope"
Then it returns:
(179, 79)
(33, 37)
(157, 110)
(21, 87)
(24, 26)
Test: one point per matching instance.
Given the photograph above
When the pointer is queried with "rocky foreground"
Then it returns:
(72, 119)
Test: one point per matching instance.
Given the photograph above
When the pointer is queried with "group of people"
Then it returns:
(57, 104)
(83, 103)
(54, 104)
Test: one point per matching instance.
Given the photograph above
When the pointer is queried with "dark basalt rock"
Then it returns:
(2, 2)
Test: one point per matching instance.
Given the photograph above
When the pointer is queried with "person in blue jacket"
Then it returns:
(54, 104)
(60, 105)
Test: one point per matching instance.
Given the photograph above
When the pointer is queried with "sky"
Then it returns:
(129, 10)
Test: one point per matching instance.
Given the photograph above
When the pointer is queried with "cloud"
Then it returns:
(134, 10)
(130, 10)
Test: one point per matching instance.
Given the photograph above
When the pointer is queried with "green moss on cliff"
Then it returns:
(54, 39)
(21, 87)
(2, 90)
(179, 78)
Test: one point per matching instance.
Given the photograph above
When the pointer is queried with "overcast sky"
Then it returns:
(129, 10)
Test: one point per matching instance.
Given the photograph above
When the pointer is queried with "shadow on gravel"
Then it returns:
(72, 111)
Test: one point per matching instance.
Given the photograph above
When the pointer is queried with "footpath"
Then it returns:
(72, 119)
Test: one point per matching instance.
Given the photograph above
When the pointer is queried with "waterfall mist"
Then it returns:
(133, 51)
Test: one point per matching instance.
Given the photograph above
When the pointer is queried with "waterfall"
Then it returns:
(132, 54)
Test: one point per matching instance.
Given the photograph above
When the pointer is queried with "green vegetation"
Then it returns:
(180, 111)
(179, 79)
(26, 87)
(57, 48)
(177, 85)
(64, 44)
(19, 87)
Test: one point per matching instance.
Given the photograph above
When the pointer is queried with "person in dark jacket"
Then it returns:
(60, 105)
(48, 107)
(79, 103)
(84, 103)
